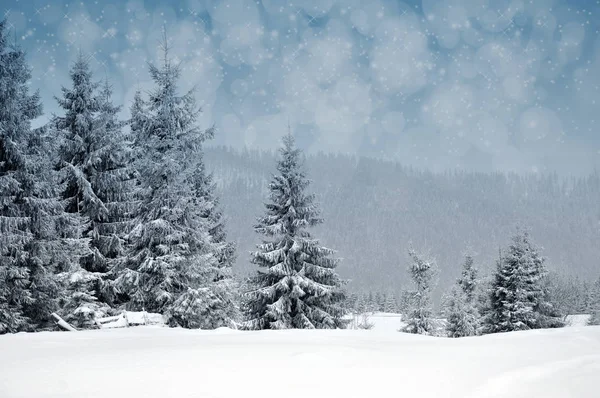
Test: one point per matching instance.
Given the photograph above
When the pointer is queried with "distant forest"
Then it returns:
(374, 209)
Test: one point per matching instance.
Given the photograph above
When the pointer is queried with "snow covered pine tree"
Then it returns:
(97, 185)
(518, 300)
(595, 303)
(17, 109)
(461, 314)
(113, 178)
(32, 221)
(468, 279)
(173, 265)
(420, 313)
(298, 287)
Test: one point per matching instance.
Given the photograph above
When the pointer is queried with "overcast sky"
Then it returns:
(478, 84)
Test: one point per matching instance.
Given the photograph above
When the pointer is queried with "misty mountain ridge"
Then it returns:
(375, 209)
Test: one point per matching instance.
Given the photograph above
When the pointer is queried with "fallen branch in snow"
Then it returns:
(130, 318)
(62, 323)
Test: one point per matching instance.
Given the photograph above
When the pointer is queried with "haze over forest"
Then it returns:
(373, 209)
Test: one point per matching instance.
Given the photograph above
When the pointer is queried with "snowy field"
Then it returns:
(162, 362)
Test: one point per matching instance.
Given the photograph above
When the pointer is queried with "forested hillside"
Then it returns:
(373, 209)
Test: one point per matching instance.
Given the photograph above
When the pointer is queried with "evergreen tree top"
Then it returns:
(291, 210)
(421, 266)
(175, 115)
(105, 97)
(137, 110)
(523, 250)
(290, 156)
(468, 279)
(80, 99)
(14, 88)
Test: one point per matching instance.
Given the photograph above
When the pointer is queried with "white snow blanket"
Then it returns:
(162, 362)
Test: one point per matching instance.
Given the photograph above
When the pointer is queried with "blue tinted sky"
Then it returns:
(478, 84)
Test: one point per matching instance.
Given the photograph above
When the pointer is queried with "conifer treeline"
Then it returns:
(519, 295)
(97, 217)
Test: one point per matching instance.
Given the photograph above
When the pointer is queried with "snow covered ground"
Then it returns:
(162, 362)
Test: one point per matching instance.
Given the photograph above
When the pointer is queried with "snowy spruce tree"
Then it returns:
(518, 300)
(113, 178)
(461, 313)
(468, 279)
(173, 265)
(461, 316)
(391, 305)
(95, 188)
(360, 306)
(34, 248)
(595, 303)
(296, 285)
(17, 109)
(223, 292)
(420, 312)
(351, 301)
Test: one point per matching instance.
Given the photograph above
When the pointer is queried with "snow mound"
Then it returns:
(162, 362)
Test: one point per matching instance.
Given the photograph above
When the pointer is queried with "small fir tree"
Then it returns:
(420, 313)
(595, 304)
(461, 316)
(518, 300)
(460, 307)
(468, 279)
(391, 306)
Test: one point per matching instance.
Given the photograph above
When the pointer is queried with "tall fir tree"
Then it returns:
(17, 109)
(518, 300)
(91, 143)
(33, 226)
(223, 290)
(419, 320)
(113, 178)
(296, 285)
(173, 265)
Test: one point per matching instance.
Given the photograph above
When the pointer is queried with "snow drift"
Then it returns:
(162, 362)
